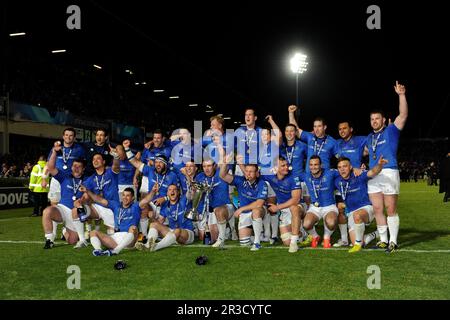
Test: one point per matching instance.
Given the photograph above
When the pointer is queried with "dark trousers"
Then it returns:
(40, 202)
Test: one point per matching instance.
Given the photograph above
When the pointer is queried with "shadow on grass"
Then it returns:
(409, 237)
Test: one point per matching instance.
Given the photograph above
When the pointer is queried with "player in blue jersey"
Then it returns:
(188, 176)
(100, 145)
(247, 140)
(352, 147)
(158, 175)
(103, 182)
(271, 139)
(184, 149)
(156, 146)
(126, 176)
(353, 190)
(215, 138)
(180, 229)
(318, 142)
(320, 183)
(252, 193)
(385, 187)
(126, 219)
(293, 150)
(70, 183)
(69, 151)
(215, 207)
(288, 192)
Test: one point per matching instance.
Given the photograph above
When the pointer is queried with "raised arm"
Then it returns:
(292, 108)
(146, 200)
(116, 158)
(377, 169)
(276, 129)
(223, 165)
(132, 158)
(51, 164)
(400, 121)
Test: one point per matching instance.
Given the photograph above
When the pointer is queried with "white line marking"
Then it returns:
(248, 248)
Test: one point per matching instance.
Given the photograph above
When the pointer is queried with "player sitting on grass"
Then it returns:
(126, 219)
(62, 212)
(353, 190)
(180, 229)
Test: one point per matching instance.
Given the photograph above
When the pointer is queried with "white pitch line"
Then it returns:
(241, 247)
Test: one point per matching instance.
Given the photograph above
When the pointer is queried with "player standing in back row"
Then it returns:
(385, 187)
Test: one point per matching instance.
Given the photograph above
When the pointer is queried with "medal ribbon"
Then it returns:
(75, 186)
(321, 145)
(344, 193)
(64, 158)
(317, 190)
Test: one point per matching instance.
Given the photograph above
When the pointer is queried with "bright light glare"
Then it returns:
(298, 63)
(17, 34)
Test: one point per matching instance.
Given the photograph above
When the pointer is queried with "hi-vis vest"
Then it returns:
(36, 178)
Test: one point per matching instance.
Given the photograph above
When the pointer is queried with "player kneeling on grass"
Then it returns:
(126, 219)
(353, 190)
(180, 229)
(62, 212)
(252, 192)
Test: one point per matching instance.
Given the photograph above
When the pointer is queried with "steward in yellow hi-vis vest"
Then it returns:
(39, 193)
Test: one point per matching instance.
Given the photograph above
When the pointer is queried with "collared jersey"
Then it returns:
(325, 148)
(283, 188)
(105, 184)
(321, 189)
(175, 214)
(353, 190)
(249, 192)
(352, 149)
(70, 186)
(295, 156)
(385, 143)
(125, 218)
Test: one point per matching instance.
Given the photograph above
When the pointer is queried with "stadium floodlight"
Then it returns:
(174, 97)
(17, 34)
(226, 118)
(193, 105)
(158, 90)
(136, 83)
(144, 82)
(97, 66)
(298, 66)
(209, 111)
(59, 51)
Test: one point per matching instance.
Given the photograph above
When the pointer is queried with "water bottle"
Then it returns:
(82, 214)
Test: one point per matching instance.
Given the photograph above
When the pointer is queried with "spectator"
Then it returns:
(39, 193)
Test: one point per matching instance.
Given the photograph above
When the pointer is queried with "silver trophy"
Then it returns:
(197, 189)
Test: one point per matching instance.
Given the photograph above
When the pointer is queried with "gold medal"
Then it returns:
(316, 204)
(374, 157)
(248, 151)
(290, 168)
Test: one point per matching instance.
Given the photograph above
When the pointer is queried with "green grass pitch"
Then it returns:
(418, 271)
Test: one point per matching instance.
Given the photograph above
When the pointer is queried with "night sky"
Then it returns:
(235, 54)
